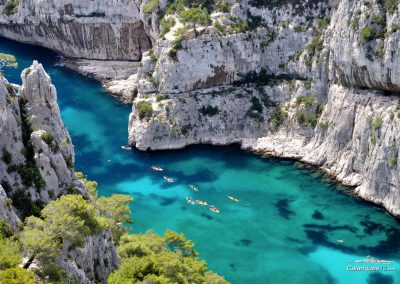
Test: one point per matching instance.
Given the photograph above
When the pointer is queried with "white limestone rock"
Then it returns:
(31, 119)
(103, 29)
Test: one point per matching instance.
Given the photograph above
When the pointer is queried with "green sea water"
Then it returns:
(290, 225)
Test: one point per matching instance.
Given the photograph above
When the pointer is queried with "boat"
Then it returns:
(168, 179)
(157, 169)
(214, 209)
(201, 202)
(233, 198)
(370, 259)
(126, 148)
(195, 188)
(190, 201)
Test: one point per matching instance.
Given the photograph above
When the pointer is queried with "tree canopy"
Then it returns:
(195, 16)
(16, 275)
(10, 255)
(116, 209)
(170, 259)
(8, 60)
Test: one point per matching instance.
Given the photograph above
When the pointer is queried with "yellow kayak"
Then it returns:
(233, 198)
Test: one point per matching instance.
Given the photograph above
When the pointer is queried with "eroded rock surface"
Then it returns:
(37, 166)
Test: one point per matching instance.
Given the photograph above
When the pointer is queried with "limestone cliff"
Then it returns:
(37, 166)
(103, 30)
(314, 81)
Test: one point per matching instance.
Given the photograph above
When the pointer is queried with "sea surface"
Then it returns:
(290, 225)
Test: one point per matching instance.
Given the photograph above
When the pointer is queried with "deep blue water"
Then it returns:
(290, 225)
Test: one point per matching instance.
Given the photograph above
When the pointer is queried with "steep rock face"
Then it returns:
(322, 114)
(93, 262)
(7, 211)
(364, 42)
(213, 60)
(357, 141)
(36, 166)
(105, 30)
(38, 155)
(217, 116)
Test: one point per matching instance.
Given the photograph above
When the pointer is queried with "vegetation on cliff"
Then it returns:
(70, 219)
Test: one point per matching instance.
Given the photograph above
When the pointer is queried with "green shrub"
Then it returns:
(25, 205)
(10, 254)
(315, 45)
(150, 6)
(307, 119)
(300, 28)
(144, 109)
(11, 7)
(209, 110)
(195, 16)
(278, 116)
(16, 275)
(256, 105)
(69, 162)
(47, 138)
(31, 176)
(162, 97)
(149, 258)
(377, 123)
(378, 20)
(367, 33)
(307, 100)
(6, 230)
(7, 157)
(323, 23)
(392, 161)
(392, 5)
(324, 124)
(166, 25)
(380, 52)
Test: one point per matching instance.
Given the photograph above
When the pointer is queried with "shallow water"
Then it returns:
(287, 228)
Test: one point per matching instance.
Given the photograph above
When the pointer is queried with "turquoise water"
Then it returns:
(290, 225)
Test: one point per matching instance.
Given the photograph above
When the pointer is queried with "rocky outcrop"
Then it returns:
(364, 40)
(94, 261)
(37, 166)
(7, 211)
(316, 84)
(102, 70)
(103, 30)
(37, 151)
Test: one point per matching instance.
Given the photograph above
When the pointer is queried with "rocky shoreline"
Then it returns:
(315, 81)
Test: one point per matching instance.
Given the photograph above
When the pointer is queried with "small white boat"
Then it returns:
(195, 188)
(126, 148)
(190, 201)
(168, 179)
(233, 198)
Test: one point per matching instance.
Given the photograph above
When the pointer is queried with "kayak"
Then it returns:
(214, 209)
(190, 201)
(195, 188)
(170, 180)
(157, 169)
(201, 202)
(233, 198)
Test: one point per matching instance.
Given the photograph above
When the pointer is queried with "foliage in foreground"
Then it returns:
(150, 258)
(70, 218)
